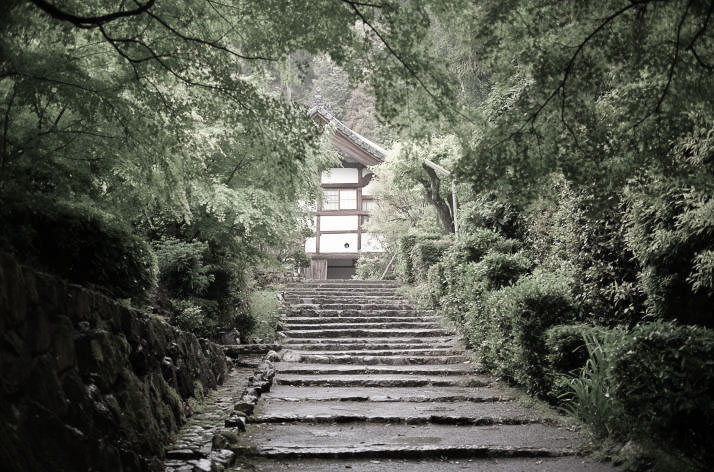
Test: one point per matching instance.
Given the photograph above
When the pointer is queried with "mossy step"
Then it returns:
(453, 413)
(339, 324)
(284, 368)
(377, 380)
(370, 333)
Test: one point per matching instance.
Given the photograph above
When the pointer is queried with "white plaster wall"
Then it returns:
(371, 243)
(336, 242)
(311, 244)
(339, 223)
(340, 175)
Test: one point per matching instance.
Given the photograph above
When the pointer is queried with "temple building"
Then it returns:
(339, 220)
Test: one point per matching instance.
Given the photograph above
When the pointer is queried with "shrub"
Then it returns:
(426, 253)
(79, 243)
(404, 258)
(371, 266)
(507, 328)
(436, 284)
(670, 230)
(182, 271)
(565, 347)
(404, 265)
(498, 269)
(663, 374)
(477, 243)
(195, 315)
(489, 211)
(300, 260)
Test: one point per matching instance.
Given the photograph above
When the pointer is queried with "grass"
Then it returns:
(264, 308)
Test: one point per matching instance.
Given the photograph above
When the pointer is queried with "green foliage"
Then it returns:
(79, 243)
(195, 315)
(424, 254)
(405, 263)
(670, 231)
(182, 270)
(663, 375)
(566, 231)
(263, 306)
(508, 326)
(300, 259)
(497, 269)
(591, 398)
(488, 211)
(371, 266)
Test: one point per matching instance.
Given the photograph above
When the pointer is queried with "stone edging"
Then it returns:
(260, 382)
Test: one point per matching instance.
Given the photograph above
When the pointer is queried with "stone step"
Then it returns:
(394, 394)
(345, 298)
(381, 380)
(315, 291)
(285, 368)
(375, 360)
(344, 282)
(376, 441)
(357, 306)
(339, 324)
(421, 464)
(368, 343)
(320, 312)
(371, 333)
(407, 352)
(453, 413)
(359, 319)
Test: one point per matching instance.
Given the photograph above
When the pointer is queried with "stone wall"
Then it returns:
(87, 383)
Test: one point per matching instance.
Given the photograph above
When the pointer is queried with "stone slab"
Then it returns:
(370, 333)
(535, 464)
(392, 380)
(376, 394)
(453, 413)
(405, 441)
(347, 369)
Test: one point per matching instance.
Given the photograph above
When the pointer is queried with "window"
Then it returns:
(348, 199)
(340, 200)
(332, 200)
(369, 205)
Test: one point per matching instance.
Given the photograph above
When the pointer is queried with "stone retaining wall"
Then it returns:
(87, 383)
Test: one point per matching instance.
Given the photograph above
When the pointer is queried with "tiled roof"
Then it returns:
(371, 148)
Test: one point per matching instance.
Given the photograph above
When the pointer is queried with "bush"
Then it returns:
(670, 230)
(79, 243)
(477, 243)
(425, 253)
(436, 284)
(404, 265)
(195, 315)
(371, 266)
(182, 271)
(663, 375)
(498, 269)
(565, 346)
(490, 212)
(300, 260)
(507, 327)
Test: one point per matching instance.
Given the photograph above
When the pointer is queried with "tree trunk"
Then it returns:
(443, 209)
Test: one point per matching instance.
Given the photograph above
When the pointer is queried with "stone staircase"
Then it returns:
(367, 381)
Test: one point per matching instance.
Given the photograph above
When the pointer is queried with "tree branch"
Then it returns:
(90, 21)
